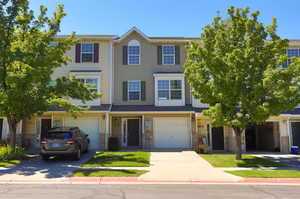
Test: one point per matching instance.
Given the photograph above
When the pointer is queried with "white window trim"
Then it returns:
(93, 56)
(288, 58)
(128, 55)
(162, 55)
(169, 90)
(170, 102)
(89, 75)
(140, 91)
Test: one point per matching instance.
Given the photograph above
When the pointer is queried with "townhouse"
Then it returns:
(151, 103)
(146, 100)
(91, 63)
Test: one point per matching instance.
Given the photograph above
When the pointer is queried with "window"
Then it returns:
(293, 52)
(53, 44)
(92, 83)
(134, 90)
(134, 55)
(168, 55)
(87, 52)
(169, 89)
(134, 52)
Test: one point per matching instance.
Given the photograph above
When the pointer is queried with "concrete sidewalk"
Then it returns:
(136, 180)
(184, 165)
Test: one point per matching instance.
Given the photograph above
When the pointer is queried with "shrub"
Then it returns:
(3, 142)
(113, 144)
(8, 153)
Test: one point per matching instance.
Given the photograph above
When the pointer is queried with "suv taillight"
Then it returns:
(71, 142)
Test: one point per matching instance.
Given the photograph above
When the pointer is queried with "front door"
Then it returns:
(133, 132)
(45, 126)
(217, 138)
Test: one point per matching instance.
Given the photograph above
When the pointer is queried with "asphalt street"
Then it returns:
(138, 191)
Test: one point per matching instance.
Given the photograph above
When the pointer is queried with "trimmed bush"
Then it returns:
(113, 144)
(8, 153)
(3, 142)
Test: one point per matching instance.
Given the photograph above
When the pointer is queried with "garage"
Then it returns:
(295, 127)
(263, 137)
(89, 126)
(171, 132)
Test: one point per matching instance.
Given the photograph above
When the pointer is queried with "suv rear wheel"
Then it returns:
(78, 154)
(45, 157)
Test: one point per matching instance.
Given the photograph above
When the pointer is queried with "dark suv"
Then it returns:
(64, 141)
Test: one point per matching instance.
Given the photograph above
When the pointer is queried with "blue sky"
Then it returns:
(166, 17)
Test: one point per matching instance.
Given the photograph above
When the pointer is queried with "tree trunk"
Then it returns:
(12, 123)
(238, 142)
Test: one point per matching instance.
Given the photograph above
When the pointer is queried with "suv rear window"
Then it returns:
(59, 135)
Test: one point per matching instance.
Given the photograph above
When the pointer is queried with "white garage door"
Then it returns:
(171, 132)
(89, 126)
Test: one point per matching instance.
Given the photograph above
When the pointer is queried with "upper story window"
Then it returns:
(87, 52)
(134, 90)
(91, 83)
(134, 52)
(53, 44)
(169, 89)
(168, 54)
(292, 52)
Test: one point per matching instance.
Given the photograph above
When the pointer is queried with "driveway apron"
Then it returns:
(37, 169)
(184, 165)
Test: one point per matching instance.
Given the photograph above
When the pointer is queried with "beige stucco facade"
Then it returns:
(105, 65)
(112, 73)
(280, 139)
(32, 127)
(145, 70)
(147, 127)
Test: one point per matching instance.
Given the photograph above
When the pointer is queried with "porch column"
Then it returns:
(107, 130)
(284, 127)
(143, 131)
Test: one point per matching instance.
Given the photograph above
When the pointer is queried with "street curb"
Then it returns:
(136, 180)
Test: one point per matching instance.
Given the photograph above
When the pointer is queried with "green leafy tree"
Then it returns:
(235, 68)
(27, 61)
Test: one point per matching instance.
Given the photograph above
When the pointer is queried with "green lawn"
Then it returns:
(9, 163)
(228, 160)
(266, 173)
(119, 159)
(108, 173)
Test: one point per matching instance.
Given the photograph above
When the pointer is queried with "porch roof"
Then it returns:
(102, 108)
(151, 108)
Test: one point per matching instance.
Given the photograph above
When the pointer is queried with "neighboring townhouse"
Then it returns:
(91, 63)
(277, 134)
(152, 100)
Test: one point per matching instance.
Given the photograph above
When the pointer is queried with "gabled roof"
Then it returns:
(155, 39)
(87, 37)
(133, 29)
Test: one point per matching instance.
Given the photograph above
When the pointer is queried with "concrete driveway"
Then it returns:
(177, 165)
(184, 165)
(37, 169)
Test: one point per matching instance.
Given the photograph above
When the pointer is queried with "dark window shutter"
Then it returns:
(125, 55)
(77, 53)
(143, 90)
(159, 55)
(96, 52)
(177, 54)
(125, 91)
